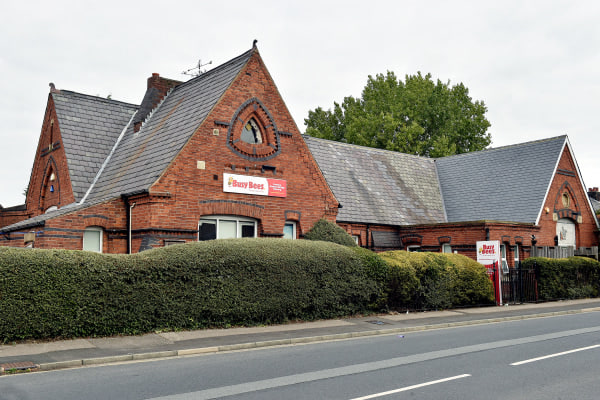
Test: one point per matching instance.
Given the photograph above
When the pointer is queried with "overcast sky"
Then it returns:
(536, 65)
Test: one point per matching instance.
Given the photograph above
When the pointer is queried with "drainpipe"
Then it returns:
(128, 208)
(129, 212)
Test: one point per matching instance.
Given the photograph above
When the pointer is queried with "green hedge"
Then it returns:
(435, 281)
(329, 232)
(565, 278)
(60, 293)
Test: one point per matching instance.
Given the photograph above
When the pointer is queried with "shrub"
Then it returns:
(565, 278)
(376, 270)
(61, 293)
(435, 280)
(329, 232)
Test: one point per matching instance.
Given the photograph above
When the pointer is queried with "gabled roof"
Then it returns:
(379, 186)
(89, 127)
(107, 159)
(507, 184)
(140, 158)
(503, 184)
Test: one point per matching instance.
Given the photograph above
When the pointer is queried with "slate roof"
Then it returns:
(141, 158)
(506, 184)
(89, 127)
(502, 184)
(379, 186)
(595, 204)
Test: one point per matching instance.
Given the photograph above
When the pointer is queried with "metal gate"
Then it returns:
(519, 285)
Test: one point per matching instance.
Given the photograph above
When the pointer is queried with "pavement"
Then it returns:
(50, 355)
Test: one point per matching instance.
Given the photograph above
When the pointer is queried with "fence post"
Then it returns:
(536, 269)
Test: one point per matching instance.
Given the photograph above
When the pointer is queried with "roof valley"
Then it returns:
(105, 163)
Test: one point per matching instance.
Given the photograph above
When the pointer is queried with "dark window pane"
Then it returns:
(208, 230)
(247, 230)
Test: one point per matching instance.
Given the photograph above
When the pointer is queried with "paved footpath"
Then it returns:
(81, 352)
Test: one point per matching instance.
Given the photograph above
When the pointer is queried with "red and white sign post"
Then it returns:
(488, 254)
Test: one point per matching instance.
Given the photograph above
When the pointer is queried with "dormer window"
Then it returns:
(251, 133)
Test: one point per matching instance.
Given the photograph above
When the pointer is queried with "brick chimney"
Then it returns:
(156, 90)
(594, 193)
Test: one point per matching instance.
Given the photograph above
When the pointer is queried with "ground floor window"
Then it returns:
(226, 227)
(289, 230)
(92, 239)
(413, 248)
(503, 258)
(446, 248)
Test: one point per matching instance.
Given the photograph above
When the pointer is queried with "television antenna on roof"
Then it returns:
(197, 70)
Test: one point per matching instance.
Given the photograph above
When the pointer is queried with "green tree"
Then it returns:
(417, 116)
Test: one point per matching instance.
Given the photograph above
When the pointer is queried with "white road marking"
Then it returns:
(554, 355)
(240, 388)
(404, 389)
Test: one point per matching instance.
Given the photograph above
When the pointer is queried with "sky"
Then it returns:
(535, 64)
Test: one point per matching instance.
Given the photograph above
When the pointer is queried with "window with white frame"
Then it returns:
(92, 239)
(413, 248)
(446, 248)
(226, 227)
(503, 257)
(289, 230)
(516, 254)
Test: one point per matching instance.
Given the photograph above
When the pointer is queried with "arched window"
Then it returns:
(92, 239)
(251, 133)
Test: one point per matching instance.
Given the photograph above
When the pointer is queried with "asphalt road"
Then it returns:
(546, 358)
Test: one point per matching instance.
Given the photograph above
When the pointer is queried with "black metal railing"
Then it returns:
(519, 285)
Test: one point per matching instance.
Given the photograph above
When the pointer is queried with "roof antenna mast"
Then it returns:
(197, 70)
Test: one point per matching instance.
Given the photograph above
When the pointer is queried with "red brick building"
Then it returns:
(220, 156)
(524, 195)
(217, 156)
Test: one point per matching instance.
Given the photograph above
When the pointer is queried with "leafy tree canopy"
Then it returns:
(417, 116)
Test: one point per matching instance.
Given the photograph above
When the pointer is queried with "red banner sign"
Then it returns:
(255, 185)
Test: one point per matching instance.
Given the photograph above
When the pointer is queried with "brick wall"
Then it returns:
(194, 192)
(12, 215)
(184, 193)
(568, 181)
(463, 237)
(50, 183)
